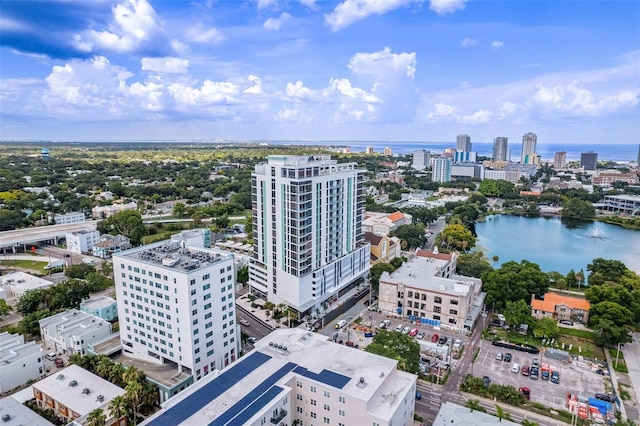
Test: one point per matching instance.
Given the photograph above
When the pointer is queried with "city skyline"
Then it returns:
(310, 70)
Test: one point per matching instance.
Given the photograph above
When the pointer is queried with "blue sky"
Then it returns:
(410, 70)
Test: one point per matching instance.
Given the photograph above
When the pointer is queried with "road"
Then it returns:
(435, 228)
(26, 236)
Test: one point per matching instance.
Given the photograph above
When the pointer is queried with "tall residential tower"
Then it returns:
(500, 148)
(308, 243)
(421, 159)
(560, 160)
(529, 142)
(463, 143)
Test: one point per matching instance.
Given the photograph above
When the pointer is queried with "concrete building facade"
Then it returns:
(421, 159)
(20, 362)
(72, 331)
(529, 142)
(589, 160)
(18, 283)
(442, 170)
(297, 377)
(308, 242)
(463, 143)
(560, 160)
(176, 305)
(82, 241)
(103, 307)
(501, 149)
(68, 218)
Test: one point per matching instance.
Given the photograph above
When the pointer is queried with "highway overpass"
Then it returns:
(20, 239)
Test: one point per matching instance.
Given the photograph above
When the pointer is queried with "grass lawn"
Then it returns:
(621, 365)
(32, 265)
(164, 235)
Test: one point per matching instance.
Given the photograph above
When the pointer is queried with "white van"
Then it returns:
(341, 324)
(51, 356)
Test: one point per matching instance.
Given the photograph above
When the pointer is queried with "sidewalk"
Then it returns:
(614, 382)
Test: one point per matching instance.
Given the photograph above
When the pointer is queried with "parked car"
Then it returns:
(244, 322)
(535, 363)
(515, 368)
(507, 357)
(420, 335)
(544, 375)
(434, 338)
(442, 340)
(341, 323)
(406, 330)
(457, 343)
(413, 332)
(600, 371)
(566, 322)
(486, 380)
(385, 323)
(533, 374)
(555, 377)
(399, 327)
(603, 397)
(59, 362)
(449, 341)
(499, 356)
(526, 392)
(525, 370)
(252, 339)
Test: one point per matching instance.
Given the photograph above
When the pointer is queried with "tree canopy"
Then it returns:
(472, 265)
(578, 209)
(398, 346)
(456, 237)
(128, 223)
(412, 235)
(512, 282)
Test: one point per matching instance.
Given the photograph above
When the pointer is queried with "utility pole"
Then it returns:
(617, 354)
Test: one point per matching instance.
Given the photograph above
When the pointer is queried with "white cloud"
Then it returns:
(343, 87)
(383, 63)
(297, 90)
(350, 11)
(11, 25)
(179, 47)
(134, 23)
(256, 87)
(441, 110)
(201, 34)
(309, 3)
(288, 114)
(482, 116)
(495, 45)
(274, 24)
(468, 41)
(264, 4)
(168, 65)
(442, 7)
(210, 92)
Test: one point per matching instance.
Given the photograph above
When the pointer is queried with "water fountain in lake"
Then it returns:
(597, 234)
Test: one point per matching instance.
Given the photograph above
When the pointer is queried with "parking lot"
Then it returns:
(573, 378)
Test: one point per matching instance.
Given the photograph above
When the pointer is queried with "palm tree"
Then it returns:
(580, 278)
(118, 406)
(96, 418)
(473, 404)
(132, 394)
(76, 359)
(115, 375)
(103, 367)
(130, 374)
(495, 259)
(501, 414)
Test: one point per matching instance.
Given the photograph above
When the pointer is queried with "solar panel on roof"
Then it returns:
(325, 376)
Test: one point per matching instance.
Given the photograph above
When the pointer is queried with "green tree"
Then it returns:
(412, 235)
(118, 406)
(571, 279)
(456, 237)
(609, 270)
(473, 404)
(79, 271)
(512, 282)
(609, 334)
(578, 209)
(376, 272)
(546, 328)
(178, 210)
(5, 308)
(398, 346)
(133, 394)
(128, 223)
(501, 414)
(96, 418)
(472, 265)
(243, 274)
(30, 301)
(518, 312)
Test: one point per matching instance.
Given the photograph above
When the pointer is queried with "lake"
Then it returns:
(557, 244)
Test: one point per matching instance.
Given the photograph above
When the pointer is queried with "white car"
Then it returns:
(252, 339)
(399, 327)
(406, 330)
(515, 368)
(385, 323)
(244, 322)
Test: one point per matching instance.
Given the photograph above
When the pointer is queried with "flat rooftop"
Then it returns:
(19, 414)
(13, 348)
(245, 387)
(78, 389)
(165, 374)
(451, 414)
(170, 255)
(73, 321)
(24, 280)
(98, 302)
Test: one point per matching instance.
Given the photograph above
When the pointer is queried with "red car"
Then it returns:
(434, 338)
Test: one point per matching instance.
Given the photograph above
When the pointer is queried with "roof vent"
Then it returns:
(284, 348)
(100, 398)
(270, 343)
(361, 380)
(86, 391)
(73, 383)
(279, 345)
(6, 417)
(60, 376)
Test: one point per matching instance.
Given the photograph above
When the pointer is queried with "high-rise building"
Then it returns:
(421, 159)
(560, 160)
(463, 143)
(369, 150)
(500, 148)
(589, 160)
(529, 142)
(464, 157)
(308, 242)
(442, 170)
(176, 305)
(387, 151)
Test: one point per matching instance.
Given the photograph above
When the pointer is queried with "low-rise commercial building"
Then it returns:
(20, 362)
(384, 223)
(74, 392)
(18, 283)
(622, 204)
(70, 332)
(82, 241)
(103, 212)
(561, 307)
(109, 245)
(104, 307)
(298, 377)
(15, 413)
(68, 218)
(426, 289)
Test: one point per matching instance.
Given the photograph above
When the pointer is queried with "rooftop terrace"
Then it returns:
(170, 255)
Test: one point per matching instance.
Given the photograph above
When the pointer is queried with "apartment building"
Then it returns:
(68, 218)
(82, 241)
(176, 305)
(74, 392)
(383, 248)
(426, 289)
(308, 243)
(20, 362)
(72, 331)
(441, 170)
(463, 143)
(103, 307)
(109, 245)
(560, 307)
(384, 223)
(529, 142)
(293, 377)
(421, 159)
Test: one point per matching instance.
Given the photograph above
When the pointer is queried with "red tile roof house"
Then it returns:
(561, 307)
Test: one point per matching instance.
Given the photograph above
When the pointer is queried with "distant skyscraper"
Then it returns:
(308, 243)
(421, 159)
(638, 159)
(369, 150)
(528, 146)
(442, 170)
(500, 148)
(463, 143)
(560, 160)
(589, 160)
(387, 151)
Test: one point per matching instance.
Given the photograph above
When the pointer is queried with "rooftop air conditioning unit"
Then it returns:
(6, 417)
(100, 398)
(86, 391)
(73, 383)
